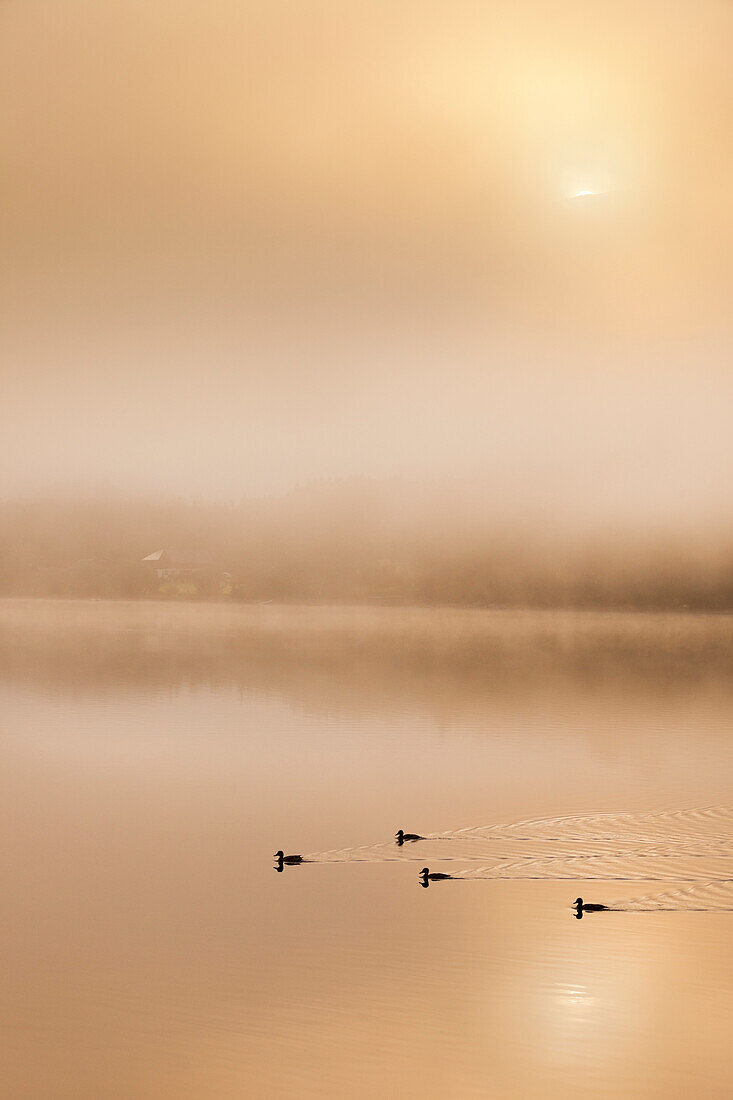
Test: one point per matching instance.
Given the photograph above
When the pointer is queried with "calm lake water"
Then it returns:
(155, 756)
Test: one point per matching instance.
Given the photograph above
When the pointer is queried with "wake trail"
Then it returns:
(667, 834)
(622, 868)
(701, 897)
(693, 847)
(713, 824)
(459, 853)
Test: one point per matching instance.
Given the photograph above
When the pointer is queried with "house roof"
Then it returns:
(166, 558)
(157, 555)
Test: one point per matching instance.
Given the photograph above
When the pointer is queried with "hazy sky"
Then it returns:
(250, 244)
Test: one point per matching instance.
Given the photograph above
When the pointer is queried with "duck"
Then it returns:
(427, 876)
(283, 860)
(401, 837)
(586, 907)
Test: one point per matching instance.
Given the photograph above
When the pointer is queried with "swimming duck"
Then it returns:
(402, 837)
(427, 876)
(282, 860)
(586, 907)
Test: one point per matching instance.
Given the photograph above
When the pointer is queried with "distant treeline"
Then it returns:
(356, 541)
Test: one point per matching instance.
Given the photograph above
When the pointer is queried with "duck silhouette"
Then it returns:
(401, 837)
(586, 907)
(290, 861)
(427, 876)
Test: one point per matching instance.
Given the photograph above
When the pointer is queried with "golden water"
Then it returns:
(155, 756)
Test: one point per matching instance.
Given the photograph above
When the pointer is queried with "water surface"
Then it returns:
(155, 756)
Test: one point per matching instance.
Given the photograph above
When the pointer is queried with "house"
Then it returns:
(168, 568)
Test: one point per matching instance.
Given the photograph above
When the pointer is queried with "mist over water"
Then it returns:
(453, 542)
